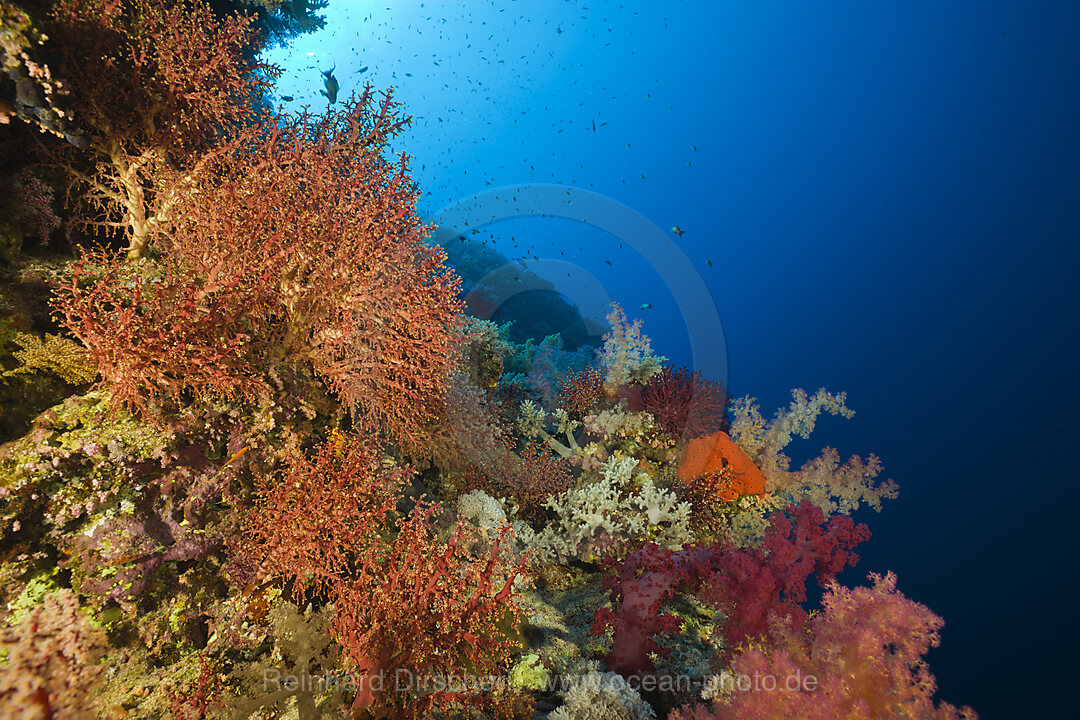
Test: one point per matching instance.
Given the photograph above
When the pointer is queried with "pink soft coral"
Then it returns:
(860, 658)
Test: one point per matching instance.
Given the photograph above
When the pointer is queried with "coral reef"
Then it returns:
(306, 485)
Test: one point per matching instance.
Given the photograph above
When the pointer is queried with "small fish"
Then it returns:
(608, 262)
(237, 454)
(678, 230)
(594, 126)
(287, 98)
(362, 70)
(645, 306)
(710, 262)
(332, 86)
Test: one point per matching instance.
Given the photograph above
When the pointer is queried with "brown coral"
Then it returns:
(51, 669)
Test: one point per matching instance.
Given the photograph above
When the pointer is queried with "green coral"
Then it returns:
(530, 674)
(76, 456)
(40, 584)
(58, 355)
(563, 618)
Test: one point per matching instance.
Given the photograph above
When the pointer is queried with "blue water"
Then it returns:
(889, 198)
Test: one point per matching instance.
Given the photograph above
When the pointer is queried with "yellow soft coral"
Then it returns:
(833, 486)
(57, 354)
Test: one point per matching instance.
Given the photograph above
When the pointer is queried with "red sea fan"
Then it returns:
(28, 204)
(153, 338)
(541, 474)
(296, 246)
(579, 393)
(685, 404)
(312, 523)
(152, 84)
(316, 212)
(420, 611)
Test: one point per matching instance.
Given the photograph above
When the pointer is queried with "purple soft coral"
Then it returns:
(751, 583)
(746, 584)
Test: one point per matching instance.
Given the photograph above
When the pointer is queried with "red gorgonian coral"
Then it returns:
(295, 245)
(405, 600)
(422, 610)
(153, 83)
(310, 524)
(530, 477)
(579, 393)
(684, 403)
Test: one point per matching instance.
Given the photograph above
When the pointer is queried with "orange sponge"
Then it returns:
(718, 454)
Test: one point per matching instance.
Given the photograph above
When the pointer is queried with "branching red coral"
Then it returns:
(579, 393)
(529, 478)
(26, 205)
(405, 601)
(540, 475)
(420, 610)
(296, 245)
(313, 523)
(684, 403)
(152, 83)
(314, 210)
(164, 337)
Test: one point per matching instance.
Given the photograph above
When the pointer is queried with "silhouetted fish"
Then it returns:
(332, 87)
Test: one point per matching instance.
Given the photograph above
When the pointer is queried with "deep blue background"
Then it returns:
(889, 197)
